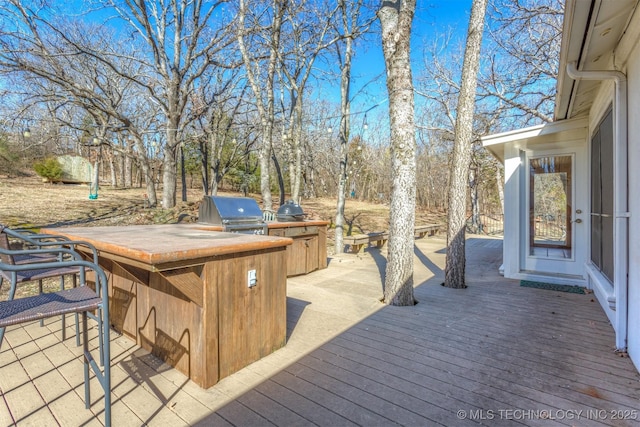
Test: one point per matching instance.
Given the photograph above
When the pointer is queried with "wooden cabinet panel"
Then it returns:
(312, 253)
(297, 258)
(252, 321)
(308, 251)
(225, 327)
(171, 327)
(123, 293)
(302, 256)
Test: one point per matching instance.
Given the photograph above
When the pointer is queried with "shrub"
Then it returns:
(9, 159)
(49, 168)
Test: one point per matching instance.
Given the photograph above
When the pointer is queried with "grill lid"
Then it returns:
(220, 210)
(290, 211)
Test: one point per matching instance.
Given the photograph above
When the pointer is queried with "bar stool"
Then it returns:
(81, 299)
(43, 241)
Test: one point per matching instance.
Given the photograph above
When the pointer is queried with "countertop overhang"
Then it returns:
(167, 243)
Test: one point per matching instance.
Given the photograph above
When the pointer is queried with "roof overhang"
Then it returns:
(547, 135)
(596, 36)
(591, 33)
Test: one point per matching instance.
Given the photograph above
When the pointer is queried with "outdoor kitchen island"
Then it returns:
(307, 253)
(207, 303)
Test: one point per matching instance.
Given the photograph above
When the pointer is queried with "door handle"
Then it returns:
(578, 221)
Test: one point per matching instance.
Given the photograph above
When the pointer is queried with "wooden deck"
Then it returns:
(495, 353)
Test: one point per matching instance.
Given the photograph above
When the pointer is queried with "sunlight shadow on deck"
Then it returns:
(493, 346)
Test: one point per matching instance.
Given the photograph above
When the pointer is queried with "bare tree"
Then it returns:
(181, 44)
(353, 23)
(322, 152)
(307, 35)
(520, 78)
(262, 82)
(58, 65)
(458, 178)
(516, 87)
(396, 17)
(438, 85)
(217, 107)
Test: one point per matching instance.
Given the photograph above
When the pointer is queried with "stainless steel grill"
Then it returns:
(234, 214)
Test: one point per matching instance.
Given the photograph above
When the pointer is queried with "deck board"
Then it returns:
(528, 351)
(407, 404)
(432, 386)
(489, 350)
(547, 367)
(272, 410)
(315, 413)
(513, 386)
(317, 388)
(235, 413)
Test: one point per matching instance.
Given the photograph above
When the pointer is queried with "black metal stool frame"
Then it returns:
(81, 299)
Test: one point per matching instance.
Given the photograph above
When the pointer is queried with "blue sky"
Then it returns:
(433, 19)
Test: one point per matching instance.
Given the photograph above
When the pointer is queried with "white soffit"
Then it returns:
(548, 133)
(592, 30)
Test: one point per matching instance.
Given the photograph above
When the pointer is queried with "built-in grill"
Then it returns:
(234, 214)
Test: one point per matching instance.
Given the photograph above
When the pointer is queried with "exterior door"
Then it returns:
(558, 213)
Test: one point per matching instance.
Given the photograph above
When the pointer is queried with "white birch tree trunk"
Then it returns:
(458, 177)
(345, 109)
(396, 17)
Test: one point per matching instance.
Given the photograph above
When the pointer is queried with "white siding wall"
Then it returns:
(601, 103)
(633, 76)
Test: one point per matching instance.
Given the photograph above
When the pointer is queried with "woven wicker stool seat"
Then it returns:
(30, 259)
(45, 305)
(44, 273)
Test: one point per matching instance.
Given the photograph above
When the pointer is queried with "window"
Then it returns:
(550, 183)
(602, 197)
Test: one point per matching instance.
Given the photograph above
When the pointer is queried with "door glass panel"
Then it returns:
(550, 206)
(606, 195)
(596, 202)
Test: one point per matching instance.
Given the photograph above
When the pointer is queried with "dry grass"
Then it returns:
(29, 203)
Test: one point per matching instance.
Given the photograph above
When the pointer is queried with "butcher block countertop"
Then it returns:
(158, 246)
